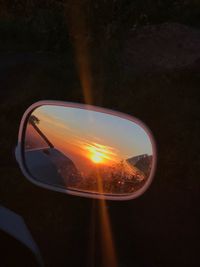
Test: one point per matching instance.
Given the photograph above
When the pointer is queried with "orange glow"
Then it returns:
(108, 248)
(96, 158)
(100, 153)
(96, 155)
(78, 29)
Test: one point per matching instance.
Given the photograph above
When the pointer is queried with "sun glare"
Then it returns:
(100, 154)
(96, 158)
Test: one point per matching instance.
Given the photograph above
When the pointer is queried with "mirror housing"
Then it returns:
(86, 150)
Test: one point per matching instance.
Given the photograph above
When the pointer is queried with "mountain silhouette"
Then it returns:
(142, 162)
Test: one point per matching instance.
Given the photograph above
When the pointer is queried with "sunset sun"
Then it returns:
(96, 158)
(100, 154)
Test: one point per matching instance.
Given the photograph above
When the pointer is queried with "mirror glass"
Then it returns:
(87, 151)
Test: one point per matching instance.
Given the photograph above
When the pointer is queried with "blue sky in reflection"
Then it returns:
(124, 136)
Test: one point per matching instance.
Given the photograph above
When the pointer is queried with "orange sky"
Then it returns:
(80, 145)
(77, 148)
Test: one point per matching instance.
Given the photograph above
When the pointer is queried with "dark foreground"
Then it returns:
(159, 229)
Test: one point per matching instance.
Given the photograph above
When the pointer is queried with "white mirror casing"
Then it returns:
(86, 150)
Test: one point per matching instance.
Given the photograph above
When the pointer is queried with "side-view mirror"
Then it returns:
(85, 150)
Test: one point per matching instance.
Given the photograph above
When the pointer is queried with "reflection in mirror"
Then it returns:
(86, 150)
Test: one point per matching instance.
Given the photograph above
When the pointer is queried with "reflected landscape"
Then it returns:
(87, 150)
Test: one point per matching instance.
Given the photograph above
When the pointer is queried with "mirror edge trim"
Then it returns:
(20, 160)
